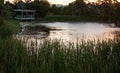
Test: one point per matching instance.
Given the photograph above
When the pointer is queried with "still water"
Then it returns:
(71, 32)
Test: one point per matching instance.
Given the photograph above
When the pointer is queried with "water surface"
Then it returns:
(71, 32)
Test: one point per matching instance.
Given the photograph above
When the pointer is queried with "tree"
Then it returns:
(56, 10)
(4, 28)
(41, 7)
(2, 9)
(20, 5)
(117, 11)
(1, 1)
(81, 7)
(69, 10)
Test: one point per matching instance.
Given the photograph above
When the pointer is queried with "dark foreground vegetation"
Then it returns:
(56, 57)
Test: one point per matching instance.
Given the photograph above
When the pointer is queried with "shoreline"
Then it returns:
(72, 19)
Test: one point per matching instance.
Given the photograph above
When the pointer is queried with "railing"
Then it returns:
(25, 17)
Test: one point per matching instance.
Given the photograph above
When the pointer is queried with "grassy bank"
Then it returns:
(56, 57)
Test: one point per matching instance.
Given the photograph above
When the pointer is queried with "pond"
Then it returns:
(70, 31)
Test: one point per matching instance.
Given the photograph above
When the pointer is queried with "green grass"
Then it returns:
(13, 24)
(54, 56)
(8, 27)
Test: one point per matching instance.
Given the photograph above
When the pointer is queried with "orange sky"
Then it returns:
(64, 2)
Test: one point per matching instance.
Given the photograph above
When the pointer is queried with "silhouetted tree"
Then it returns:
(1, 1)
(20, 5)
(117, 11)
(56, 10)
(69, 10)
(81, 7)
(4, 28)
(41, 7)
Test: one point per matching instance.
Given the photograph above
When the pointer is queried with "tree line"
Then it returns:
(106, 10)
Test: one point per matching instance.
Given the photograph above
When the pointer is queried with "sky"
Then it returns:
(63, 2)
(66, 2)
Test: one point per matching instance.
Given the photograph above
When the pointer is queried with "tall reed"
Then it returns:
(56, 57)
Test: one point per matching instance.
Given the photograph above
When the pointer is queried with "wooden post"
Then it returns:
(22, 15)
(26, 14)
(33, 14)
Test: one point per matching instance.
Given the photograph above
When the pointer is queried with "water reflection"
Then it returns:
(85, 31)
(71, 32)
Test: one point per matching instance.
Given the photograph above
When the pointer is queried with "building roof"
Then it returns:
(24, 10)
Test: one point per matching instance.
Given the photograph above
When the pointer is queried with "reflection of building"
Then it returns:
(24, 14)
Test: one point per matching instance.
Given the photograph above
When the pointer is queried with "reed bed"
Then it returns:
(56, 57)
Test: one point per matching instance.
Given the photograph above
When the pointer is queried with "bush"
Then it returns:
(4, 30)
(8, 27)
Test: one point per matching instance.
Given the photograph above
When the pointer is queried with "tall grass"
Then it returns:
(8, 27)
(56, 57)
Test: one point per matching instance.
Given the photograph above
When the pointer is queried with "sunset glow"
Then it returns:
(63, 2)
(10, 1)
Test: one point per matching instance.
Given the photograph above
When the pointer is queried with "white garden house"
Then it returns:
(24, 14)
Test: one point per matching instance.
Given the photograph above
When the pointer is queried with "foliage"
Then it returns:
(7, 25)
(13, 25)
(3, 27)
(41, 7)
(54, 56)
(4, 30)
(1, 1)
(55, 10)
(101, 11)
